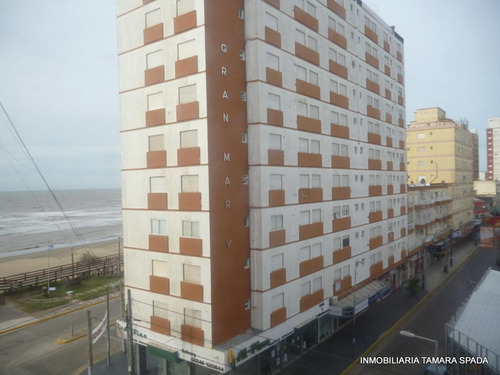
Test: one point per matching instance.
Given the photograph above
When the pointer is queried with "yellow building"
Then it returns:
(441, 150)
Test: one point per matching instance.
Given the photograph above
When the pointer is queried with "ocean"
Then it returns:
(30, 221)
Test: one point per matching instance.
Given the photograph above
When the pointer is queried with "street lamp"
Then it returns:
(362, 261)
(413, 336)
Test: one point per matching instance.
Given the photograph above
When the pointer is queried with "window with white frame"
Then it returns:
(158, 227)
(154, 59)
(317, 284)
(278, 301)
(337, 274)
(316, 215)
(340, 180)
(337, 57)
(187, 94)
(373, 127)
(275, 182)
(337, 243)
(371, 76)
(338, 118)
(158, 184)
(345, 211)
(156, 142)
(375, 231)
(192, 317)
(159, 268)
(339, 150)
(305, 289)
(336, 26)
(189, 139)
(371, 50)
(190, 184)
(373, 154)
(160, 309)
(276, 222)
(190, 228)
(275, 142)
(373, 102)
(186, 49)
(338, 88)
(273, 62)
(192, 274)
(153, 18)
(273, 101)
(277, 262)
(271, 21)
(309, 146)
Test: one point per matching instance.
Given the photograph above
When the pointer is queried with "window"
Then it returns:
(274, 142)
(192, 318)
(305, 289)
(345, 241)
(273, 62)
(346, 271)
(155, 101)
(157, 184)
(338, 88)
(339, 150)
(153, 59)
(160, 309)
(339, 118)
(191, 229)
(276, 222)
(309, 146)
(316, 285)
(316, 215)
(371, 50)
(184, 6)
(275, 182)
(187, 94)
(274, 101)
(158, 227)
(277, 302)
(373, 154)
(371, 76)
(345, 211)
(340, 180)
(156, 142)
(192, 274)
(153, 18)
(337, 57)
(189, 139)
(300, 37)
(189, 184)
(277, 262)
(159, 268)
(336, 26)
(271, 22)
(186, 49)
(337, 275)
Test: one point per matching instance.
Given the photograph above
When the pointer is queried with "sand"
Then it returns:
(57, 257)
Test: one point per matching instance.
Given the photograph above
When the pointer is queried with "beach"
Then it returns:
(55, 257)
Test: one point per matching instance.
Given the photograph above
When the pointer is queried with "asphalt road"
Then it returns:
(33, 350)
(430, 320)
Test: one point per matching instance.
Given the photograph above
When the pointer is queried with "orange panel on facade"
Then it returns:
(374, 138)
(276, 198)
(190, 201)
(310, 195)
(370, 34)
(186, 67)
(308, 124)
(274, 117)
(278, 316)
(341, 223)
(376, 268)
(341, 192)
(306, 159)
(274, 77)
(390, 211)
(157, 201)
(311, 300)
(372, 86)
(274, 3)
(191, 246)
(339, 131)
(155, 117)
(278, 277)
(371, 60)
(306, 53)
(159, 285)
(390, 260)
(337, 38)
(388, 143)
(160, 325)
(188, 156)
(305, 18)
(337, 69)
(388, 118)
(375, 164)
(339, 100)
(156, 159)
(154, 75)
(158, 242)
(336, 8)
(376, 242)
(276, 157)
(272, 37)
(390, 236)
(192, 292)
(387, 71)
(341, 255)
(390, 168)
(153, 33)
(309, 266)
(373, 112)
(188, 111)
(375, 216)
(310, 230)
(277, 237)
(191, 334)
(342, 162)
(387, 47)
(374, 190)
(185, 22)
(308, 89)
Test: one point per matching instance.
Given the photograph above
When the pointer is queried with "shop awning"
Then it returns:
(363, 297)
(162, 352)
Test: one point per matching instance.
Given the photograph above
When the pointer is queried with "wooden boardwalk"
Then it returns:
(99, 266)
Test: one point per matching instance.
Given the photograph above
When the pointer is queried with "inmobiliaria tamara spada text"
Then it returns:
(422, 360)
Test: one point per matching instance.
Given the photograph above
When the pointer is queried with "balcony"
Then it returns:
(387, 47)
(160, 285)
(278, 277)
(376, 242)
(388, 143)
(341, 192)
(274, 3)
(272, 37)
(160, 325)
(388, 118)
(390, 260)
(339, 100)
(376, 269)
(370, 34)
(309, 266)
(276, 157)
(273, 77)
(336, 8)
(156, 159)
(387, 70)
(306, 53)
(310, 230)
(307, 89)
(158, 201)
(274, 117)
(399, 56)
(390, 188)
(277, 237)
(339, 131)
(155, 117)
(192, 292)
(310, 195)
(185, 22)
(308, 124)
(306, 159)
(341, 162)
(375, 164)
(188, 156)
(153, 33)
(390, 213)
(311, 300)
(154, 75)
(375, 216)
(371, 60)
(191, 334)
(374, 190)
(158, 243)
(373, 112)
(187, 111)
(373, 87)
(337, 69)
(186, 66)
(276, 198)
(278, 317)
(191, 246)
(342, 254)
(390, 236)
(342, 285)
(305, 18)
(190, 201)
(337, 38)
(341, 223)
(374, 138)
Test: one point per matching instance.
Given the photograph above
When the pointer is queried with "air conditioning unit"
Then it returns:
(334, 300)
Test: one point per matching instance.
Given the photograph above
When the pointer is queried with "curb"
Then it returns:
(63, 340)
(409, 313)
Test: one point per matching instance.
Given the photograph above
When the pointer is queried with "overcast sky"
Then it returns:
(59, 80)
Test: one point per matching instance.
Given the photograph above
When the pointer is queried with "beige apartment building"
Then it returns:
(440, 150)
(263, 169)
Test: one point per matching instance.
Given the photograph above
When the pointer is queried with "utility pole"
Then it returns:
(89, 333)
(130, 337)
(107, 326)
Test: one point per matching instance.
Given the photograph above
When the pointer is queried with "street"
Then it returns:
(33, 350)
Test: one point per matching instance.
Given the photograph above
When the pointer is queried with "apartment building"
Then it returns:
(263, 173)
(493, 149)
(441, 150)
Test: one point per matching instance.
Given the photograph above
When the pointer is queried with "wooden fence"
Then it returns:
(95, 267)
